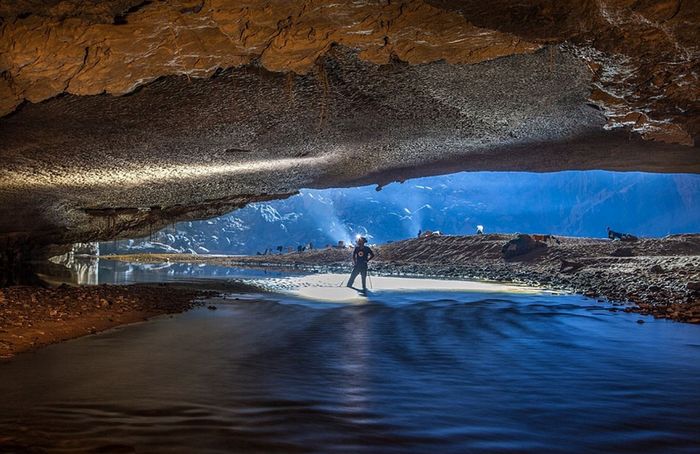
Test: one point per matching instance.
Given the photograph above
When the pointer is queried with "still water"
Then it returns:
(430, 371)
(95, 271)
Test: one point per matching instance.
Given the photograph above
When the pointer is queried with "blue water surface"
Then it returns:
(423, 372)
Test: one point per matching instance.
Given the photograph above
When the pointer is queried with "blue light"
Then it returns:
(574, 203)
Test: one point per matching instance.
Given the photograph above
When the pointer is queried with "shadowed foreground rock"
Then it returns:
(643, 54)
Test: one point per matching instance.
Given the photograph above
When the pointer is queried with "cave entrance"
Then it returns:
(563, 204)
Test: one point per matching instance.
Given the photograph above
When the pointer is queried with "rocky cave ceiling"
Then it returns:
(120, 116)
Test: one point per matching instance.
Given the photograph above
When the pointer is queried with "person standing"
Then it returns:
(361, 255)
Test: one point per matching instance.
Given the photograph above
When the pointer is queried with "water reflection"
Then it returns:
(353, 366)
(88, 270)
(83, 263)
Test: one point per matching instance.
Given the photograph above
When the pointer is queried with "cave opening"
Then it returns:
(277, 327)
(571, 204)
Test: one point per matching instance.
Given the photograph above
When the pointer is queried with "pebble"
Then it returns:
(656, 269)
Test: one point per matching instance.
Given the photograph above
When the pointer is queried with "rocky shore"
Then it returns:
(652, 276)
(32, 317)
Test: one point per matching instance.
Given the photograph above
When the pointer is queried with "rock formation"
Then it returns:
(643, 54)
(62, 52)
(120, 116)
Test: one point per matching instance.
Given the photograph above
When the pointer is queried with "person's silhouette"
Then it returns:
(360, 256)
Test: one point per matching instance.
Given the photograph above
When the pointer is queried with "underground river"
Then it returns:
(454, 367)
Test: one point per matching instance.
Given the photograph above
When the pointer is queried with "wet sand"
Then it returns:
(331, 287)
(655, 276)
(33, 317)
(659, 277)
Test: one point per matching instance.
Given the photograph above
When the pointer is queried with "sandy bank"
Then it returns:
(331, 287)
(32, 317)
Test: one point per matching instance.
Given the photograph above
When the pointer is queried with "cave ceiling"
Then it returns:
(117, 117)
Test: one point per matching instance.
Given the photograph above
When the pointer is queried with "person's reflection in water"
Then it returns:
(356, 352)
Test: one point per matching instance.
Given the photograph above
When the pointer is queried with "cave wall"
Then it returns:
(644, 54)
(86, 168)
(119, 117)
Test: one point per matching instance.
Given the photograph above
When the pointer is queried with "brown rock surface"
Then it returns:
(33, 317)
(43, 56)
(644, 54)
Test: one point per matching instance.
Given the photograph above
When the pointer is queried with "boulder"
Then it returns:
(623, 252)
(570, 267)
(521, 245)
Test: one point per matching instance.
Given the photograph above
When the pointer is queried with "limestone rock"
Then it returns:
(46, 56)
(644, 55)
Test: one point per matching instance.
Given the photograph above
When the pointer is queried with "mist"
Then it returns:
(575, 203)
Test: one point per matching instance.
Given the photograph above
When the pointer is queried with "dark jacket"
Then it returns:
(362, 255)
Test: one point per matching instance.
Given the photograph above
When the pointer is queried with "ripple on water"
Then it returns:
(402, 372)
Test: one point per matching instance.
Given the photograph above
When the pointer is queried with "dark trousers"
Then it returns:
(362, 270)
